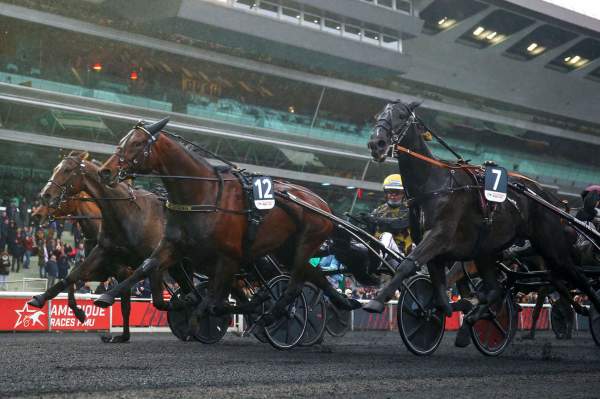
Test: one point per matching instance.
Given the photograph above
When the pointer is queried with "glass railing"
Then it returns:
(118, 98)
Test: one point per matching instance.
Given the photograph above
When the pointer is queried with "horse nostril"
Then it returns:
(45, 199)
(381, 144)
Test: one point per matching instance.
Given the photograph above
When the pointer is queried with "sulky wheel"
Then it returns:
(287, 331)
(317, 315)
(594, 319)
(179, 319)
(211, 329)
(338, 320)
(491, 336)
(420, 324)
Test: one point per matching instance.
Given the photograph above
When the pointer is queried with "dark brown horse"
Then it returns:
(456, 224)
(132, 226)
(89, 216)
(207, 220)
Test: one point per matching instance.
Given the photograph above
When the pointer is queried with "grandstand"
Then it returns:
(289, 88)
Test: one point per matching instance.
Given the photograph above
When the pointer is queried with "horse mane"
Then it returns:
(193, 151)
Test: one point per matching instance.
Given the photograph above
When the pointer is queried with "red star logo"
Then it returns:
(28, 317)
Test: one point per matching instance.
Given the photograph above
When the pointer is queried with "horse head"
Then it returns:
(66, 179)
(391, 128)
(134, 152)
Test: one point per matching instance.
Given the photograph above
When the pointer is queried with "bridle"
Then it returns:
(67, 185)
(129, 164)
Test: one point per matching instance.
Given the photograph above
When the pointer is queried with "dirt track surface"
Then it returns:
(359, 365)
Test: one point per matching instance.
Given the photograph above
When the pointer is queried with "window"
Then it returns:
(333, 26)
(247, 4)
(269, 9)
(390, 42)
(313, 21)
(352, 32)
(290, 15)
(371, 37)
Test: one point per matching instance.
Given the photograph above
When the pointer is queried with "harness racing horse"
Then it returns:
(208, 220)
(132, 226)
(81, 208)
(447, 207)
(88, 214)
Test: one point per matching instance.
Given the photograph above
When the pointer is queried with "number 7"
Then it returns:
(498, 173)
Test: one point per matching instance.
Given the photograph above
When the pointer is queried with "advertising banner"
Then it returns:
(17, 315)
(62, 318)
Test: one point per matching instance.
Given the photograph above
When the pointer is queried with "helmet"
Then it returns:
(393, 182)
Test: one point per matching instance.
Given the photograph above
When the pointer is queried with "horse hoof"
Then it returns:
(116, 339)
(374, 306)
(37, 301)
(463, 338)
(104, 301)
(80, 314)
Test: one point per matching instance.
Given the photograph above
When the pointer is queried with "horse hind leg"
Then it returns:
(492, 291)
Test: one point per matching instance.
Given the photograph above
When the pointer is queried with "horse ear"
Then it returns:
(155, 128)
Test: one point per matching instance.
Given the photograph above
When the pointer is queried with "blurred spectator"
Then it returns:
(23, 210)
(17, 250)
(4, 227)
(104, 286)
(61, 260)
(51, 270)
(29, 244)
(4, 269)
(79, 254)
(84, 289)
(142, 289)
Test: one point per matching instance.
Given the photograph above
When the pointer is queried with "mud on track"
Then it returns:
(359, 365)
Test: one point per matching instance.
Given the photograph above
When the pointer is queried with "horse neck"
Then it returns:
(418, 176)
(89, 227)
(171, 158)
(113, 211)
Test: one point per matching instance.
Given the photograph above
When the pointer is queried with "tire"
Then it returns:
(338, 321)
(211, 329)
(317, 315)
(179, 320)
(421, 326)
(491, 337)
(287, 331)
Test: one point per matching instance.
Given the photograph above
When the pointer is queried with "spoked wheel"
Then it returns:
(338, 320)
(179, 319)
(594, 319)
(421, 325)
(317, 315)
(492, 336)
(211, 329)
(559, 319)
(287, 331)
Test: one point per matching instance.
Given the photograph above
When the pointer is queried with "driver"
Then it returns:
(389, 221)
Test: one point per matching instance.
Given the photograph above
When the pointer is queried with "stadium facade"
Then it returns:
(290, 88)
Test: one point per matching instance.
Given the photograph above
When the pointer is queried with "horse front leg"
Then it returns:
(162, 257)
(438, 280)
(539, 304)
(89, 267)
(434, 243)
(122, 274)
